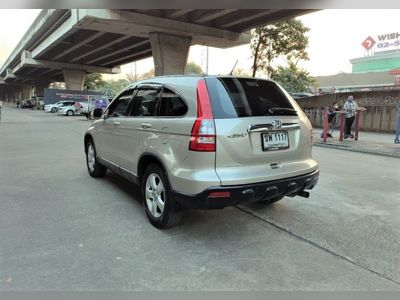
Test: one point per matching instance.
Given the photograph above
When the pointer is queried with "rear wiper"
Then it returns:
(282, 111)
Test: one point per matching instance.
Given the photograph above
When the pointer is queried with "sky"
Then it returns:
(335, 37)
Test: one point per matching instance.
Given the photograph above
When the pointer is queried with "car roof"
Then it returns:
(184, 79)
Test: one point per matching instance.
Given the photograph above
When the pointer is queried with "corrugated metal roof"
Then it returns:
(355, 80)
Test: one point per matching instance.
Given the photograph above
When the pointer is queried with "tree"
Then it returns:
(193, 68)
(93, 81)
(131, 77)
(294, 79)
(241, 72)
(285, 38)
(113, 87)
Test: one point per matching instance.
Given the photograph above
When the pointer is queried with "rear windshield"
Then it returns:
(247, 97)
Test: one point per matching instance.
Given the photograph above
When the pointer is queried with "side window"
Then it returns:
(144, 103)
(119, 107)
(172, 104)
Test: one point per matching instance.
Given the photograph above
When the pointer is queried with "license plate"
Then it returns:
(275, 141)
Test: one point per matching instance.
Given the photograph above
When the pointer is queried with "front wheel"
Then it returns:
(95, 169)
(158, 202)
(70, 113)
(53, 110)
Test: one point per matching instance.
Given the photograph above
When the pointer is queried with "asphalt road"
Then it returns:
(63, 230)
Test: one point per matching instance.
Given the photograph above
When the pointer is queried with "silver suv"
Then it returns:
(204, 142)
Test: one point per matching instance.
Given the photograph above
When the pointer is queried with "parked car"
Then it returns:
(86, 107)
(204, 142)
(53, 107)
(27, 103)
(99, 104)
(81, 107)
(67, 109)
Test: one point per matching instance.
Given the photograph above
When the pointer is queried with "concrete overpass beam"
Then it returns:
(74, 79)
(170, 53)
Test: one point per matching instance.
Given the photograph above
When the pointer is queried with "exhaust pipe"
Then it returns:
(303, 194)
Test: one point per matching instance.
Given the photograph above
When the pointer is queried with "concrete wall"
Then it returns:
(380, 114)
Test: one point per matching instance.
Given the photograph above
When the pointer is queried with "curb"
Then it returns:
(365, 151)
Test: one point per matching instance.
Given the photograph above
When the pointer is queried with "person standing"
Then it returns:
(397, 138)
(17, 103)
(350, 107)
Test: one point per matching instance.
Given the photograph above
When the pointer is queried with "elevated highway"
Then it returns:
(66, 44)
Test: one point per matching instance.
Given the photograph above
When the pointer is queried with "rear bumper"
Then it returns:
(262, 191)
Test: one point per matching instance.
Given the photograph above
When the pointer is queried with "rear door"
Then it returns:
(259, 136)
(138, 130)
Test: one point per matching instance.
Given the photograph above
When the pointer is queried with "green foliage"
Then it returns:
(193, 68)
(284, 38)
(93, 81)
(147, 75)
(293, 79)
(113, 87)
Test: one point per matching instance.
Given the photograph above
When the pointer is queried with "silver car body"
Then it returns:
(238, 160)
(48, 107)
(63, 110)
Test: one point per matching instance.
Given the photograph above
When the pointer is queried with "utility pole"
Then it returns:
(135, 72)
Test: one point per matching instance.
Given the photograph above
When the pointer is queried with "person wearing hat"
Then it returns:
(350, 107)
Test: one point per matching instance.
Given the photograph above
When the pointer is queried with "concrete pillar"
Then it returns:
(17, 95)
(40, 85)
(26, 91)
(74, 79)
(170, 53)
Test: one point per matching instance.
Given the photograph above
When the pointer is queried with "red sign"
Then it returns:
(368, 43)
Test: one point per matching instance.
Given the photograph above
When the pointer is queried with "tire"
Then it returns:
(87, 116)
(273, 200)
(70, 113)
(95, 169)
(160, 207)
(53, 109)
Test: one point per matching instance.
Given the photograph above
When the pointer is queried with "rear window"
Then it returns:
(247, 97)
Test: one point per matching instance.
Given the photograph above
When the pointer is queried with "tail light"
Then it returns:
(309, 125)
(203, 137)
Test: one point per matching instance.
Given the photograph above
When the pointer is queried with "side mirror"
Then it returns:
(97, 113)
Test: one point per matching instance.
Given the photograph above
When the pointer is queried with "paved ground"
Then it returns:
(368, 142)
(62, 230)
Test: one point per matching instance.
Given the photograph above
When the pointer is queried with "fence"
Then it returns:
(379, 116)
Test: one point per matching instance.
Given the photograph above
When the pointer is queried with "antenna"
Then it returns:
(234, 67)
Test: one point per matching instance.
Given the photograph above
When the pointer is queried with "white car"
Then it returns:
(68, 110)
(54, 107)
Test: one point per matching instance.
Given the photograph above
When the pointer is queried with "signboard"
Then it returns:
(382, 42)
(368, 43)
(55, 95)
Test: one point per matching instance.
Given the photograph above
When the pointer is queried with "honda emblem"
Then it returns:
(276, 124)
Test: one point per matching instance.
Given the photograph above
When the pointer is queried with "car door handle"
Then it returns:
(146, 125)
(116, 124)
